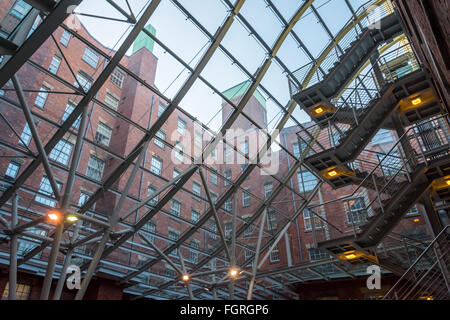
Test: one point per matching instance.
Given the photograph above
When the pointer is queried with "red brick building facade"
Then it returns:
(110, 137)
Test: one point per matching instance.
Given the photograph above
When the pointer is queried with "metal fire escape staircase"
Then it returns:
(393, 92)
(384, 92)
(428, 277)
(351, 53)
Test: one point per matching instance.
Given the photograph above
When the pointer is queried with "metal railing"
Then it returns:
(332, 53)
(428, 277)
(357, 99)
(382, 175)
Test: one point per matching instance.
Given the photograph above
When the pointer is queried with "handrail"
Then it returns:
(373, 170)
(355, 89)
(361, 13)
(345, 101)
(418, 258)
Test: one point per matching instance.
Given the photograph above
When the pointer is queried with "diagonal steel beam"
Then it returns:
(36, 137)
(288, 224)
(220, 34)
(216, 216)
(255, 262)
(104, 76)
(37, 38)
(64, 204)
(113, 220)
(257, 79)
(160, 253)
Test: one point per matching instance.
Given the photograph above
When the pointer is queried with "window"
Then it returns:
(244, 147)
(54, 65)
(161, 108)
(355, 211)
(41, 98)
(95, 168)
(65, 37)
(248, 253)
(195, 216)
(318, 224)
(22, 291)
(103, 134)
(229, 204)
(25, 136)
(249, 230)
(173, 235)
(27, 243)
(413, 211)
(198, 139)
(181, 127)
(84, 81)
(213, 178)
(213, 229)
(175, 173)
(227, 177)
(117, 77)
(317, 254)
(90, 57)
(245, 199)
(20, 9)
(228, 154)
(175, 207)
(193, 254)
(296, 150)
(61, 152)
(197, 190)
(271, 219)
(69, 109)
(301, 147)
(268, 188)
(12, 170)
(214, 153)
(150, 191)
(306, 181)
(213, 197)
(47, 193)
(382, 136)
(179, 151)
(111, 101)
(170, 272)
(36, 23)
(275, 255)
(151, 228)
(84, 196)
(228, 229)
(161, 135)
(156, 165)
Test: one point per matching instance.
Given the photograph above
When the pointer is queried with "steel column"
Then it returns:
(13, 251)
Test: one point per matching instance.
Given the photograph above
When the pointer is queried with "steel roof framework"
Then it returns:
(105, 228)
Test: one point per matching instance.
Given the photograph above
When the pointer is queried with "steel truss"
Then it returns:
(108, 240)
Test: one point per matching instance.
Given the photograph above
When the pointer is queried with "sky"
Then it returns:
(187, 41)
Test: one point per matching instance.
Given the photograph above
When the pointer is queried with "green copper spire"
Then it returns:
(144, 41)
(240, 89)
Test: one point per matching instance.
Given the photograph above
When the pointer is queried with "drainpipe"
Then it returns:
(293, 202)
